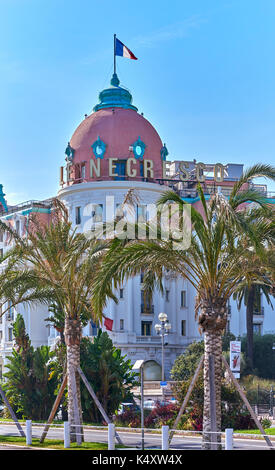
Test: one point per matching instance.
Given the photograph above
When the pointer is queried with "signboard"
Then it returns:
(129, 170)
(235, 358)
(138, 364)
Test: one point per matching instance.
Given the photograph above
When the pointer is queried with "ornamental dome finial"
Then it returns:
(115, 96)
(115, 80)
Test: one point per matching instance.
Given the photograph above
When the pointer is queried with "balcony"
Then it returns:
(259, 311)
(9, 316)
(148, 339)
(147, 309)
(226, 191)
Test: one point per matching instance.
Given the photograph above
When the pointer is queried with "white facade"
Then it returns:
(133, 331)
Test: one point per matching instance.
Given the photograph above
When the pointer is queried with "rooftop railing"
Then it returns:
(47, 204)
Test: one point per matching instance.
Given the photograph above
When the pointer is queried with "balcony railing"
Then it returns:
(148, 339)
(46, 204)
(210, 190)
(147, 309)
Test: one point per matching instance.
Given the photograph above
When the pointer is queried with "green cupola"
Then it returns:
(115, 96)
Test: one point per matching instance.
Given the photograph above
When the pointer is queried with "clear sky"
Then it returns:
(204, 78)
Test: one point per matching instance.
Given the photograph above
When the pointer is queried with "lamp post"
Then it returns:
(139, 367)
(163, 330)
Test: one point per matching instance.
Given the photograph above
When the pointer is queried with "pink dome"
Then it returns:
(119, 128)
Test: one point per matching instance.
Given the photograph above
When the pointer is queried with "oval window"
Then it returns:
(138, 150)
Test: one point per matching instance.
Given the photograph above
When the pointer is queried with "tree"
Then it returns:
(30, 380)
(211, 265)
(63, 264)
(185, 364)
(17, 286)
(249, 295)
(57, 318)
(257, 276)
(264, 355)
(110, 374)
(233, 414)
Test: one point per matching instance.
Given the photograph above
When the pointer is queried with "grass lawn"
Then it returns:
(55, 444)
(268, 431)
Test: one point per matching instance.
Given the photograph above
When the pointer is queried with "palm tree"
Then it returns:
(17, 287)
(249, 292)
(210, 264)
(256, 280)
(63, 263)
(270, 269)
(57, 319)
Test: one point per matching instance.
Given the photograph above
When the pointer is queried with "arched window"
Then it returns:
(152, 371)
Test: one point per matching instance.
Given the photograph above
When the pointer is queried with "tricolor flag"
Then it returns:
(122, 50)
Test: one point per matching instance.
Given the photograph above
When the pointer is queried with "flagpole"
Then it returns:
(114, 53)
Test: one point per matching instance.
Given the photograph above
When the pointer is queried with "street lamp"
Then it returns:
(162, 317)
(139, 367)
(162, 329)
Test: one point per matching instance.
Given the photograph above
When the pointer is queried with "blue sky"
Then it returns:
(204, 78)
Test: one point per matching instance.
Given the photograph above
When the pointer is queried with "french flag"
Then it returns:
(122, 50)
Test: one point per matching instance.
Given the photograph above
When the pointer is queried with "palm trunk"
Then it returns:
(212, 322)
(249, 325)
(212, 385)
(73, 333)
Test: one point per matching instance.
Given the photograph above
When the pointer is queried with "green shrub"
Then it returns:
(266, 423)
(263, 355)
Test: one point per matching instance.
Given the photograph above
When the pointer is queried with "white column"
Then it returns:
(111, 436)
(165, 438)
(113, 314)
(174, 304)
(4, 326)
(28, 432)
(229, 439)
(66, 434)
(130, 306)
